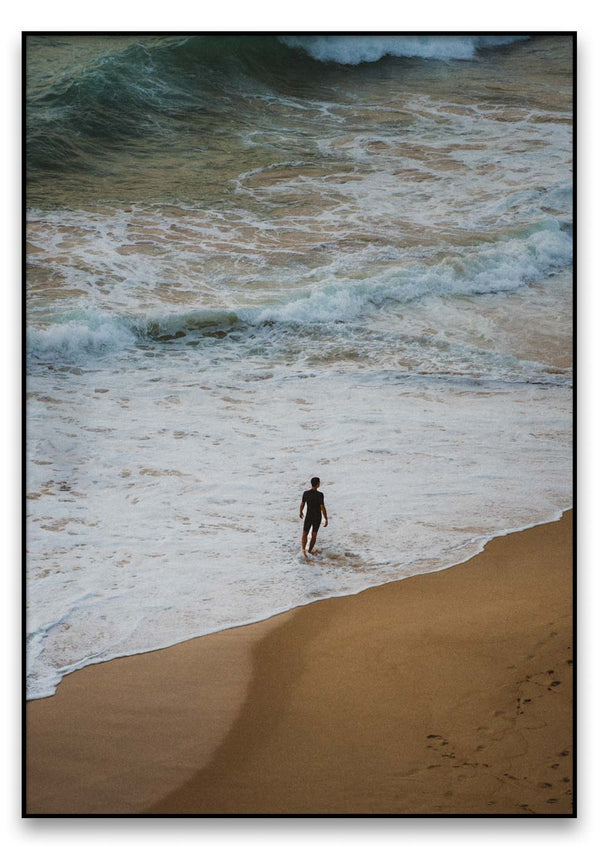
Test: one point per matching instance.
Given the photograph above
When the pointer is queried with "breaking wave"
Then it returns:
(353, 50)
(500, 267)
(153, 86)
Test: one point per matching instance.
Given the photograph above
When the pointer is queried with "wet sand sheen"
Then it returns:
(444, 693)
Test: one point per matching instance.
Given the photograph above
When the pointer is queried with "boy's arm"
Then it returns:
(301, 508)
(324, 512)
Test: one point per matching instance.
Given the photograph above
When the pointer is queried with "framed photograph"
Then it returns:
(298, 381)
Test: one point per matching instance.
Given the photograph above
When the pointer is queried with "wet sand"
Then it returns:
(446, 693)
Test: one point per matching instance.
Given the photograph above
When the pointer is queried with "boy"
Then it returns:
(315, 506)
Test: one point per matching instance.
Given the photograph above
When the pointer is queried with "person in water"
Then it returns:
(315, 507)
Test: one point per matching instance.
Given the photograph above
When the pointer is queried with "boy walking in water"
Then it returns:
(315, 506)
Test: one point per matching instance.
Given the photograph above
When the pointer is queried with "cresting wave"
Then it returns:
(500, 267)
(353, 50)
(154, 85)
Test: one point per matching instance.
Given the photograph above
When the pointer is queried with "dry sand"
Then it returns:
(447, 693)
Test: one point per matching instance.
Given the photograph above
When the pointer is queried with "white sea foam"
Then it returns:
(352, 50)
(497, 268)
(167, 503)
(500, 267)
(73, 339)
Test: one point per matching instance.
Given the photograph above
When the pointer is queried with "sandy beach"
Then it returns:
(446, 693)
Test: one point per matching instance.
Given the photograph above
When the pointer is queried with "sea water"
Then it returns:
(251, 260)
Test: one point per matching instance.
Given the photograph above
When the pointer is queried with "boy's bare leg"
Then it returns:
(313, 540)
(304, 538)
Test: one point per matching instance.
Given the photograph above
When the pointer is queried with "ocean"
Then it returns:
(256, 259)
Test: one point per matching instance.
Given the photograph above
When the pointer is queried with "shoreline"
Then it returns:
(269, 616)
(385, 701)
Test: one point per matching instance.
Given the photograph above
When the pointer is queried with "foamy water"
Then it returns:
(348, 257)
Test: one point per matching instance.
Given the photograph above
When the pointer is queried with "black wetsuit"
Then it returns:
(313, 500)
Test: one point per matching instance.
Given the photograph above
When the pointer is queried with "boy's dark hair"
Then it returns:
(315, 481)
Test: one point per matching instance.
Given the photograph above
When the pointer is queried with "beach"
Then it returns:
(444, 693)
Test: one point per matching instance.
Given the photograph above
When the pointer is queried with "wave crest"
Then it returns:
(69, 340)
(153, 85)
(494, 268)
(353, 50)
